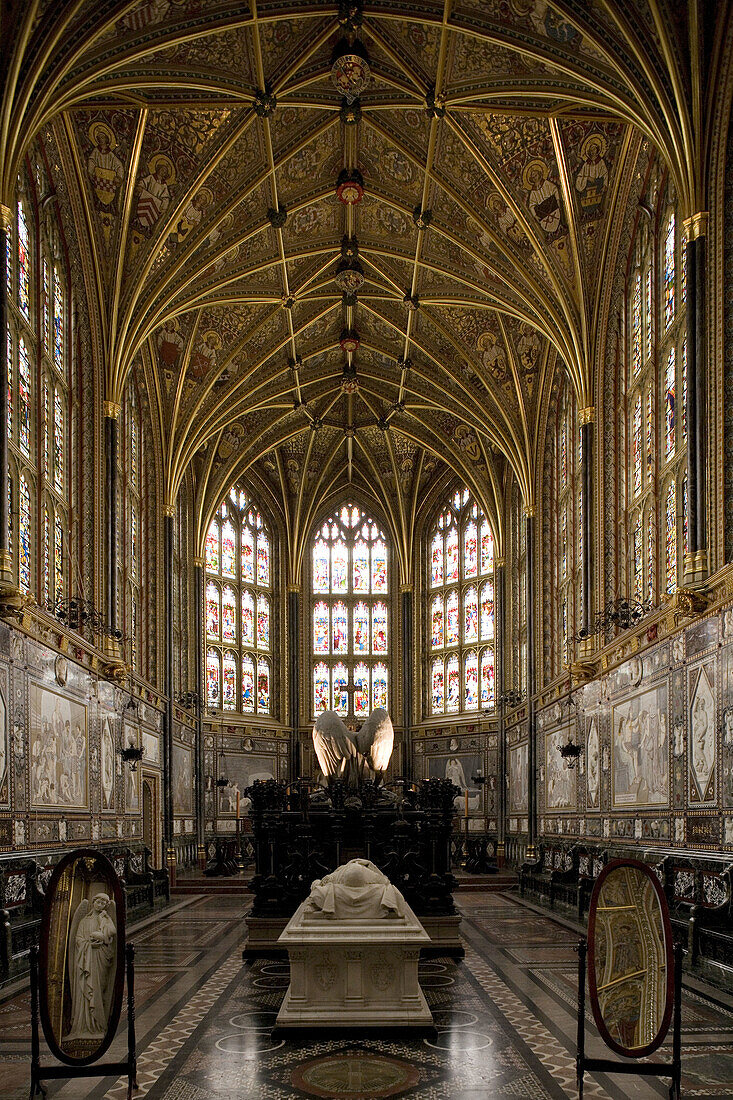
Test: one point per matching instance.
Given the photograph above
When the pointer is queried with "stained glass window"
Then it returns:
(471, 690)
(321, 699)
(638, 563)
(134, 453)
(470, 615)
(437, 623)
(651, 529)
(248, 684)
(685, 535)
(463, 612)
(436, 561)
(24, 398)
(58, 559)
(669, 405)
(10, 382)
(340, 689)
(24, 534)
(213, 678)
(670, 526)
(649, 433)
(263, 686)
(238, 547)
(379, 686)
(263, 622)
(58, 322)
(636, 436)
(212, 610)
(58, 441)
(24, 264)
(437, 687)
(350, 623)
(487, 679)
(684, 390)
(636, 326)
(229, 618)
(649, 313)
(453, 699)
(451, 619)
(212, 548)
(46, 557)
(487, 611)
(669, 271)
(229, 681)
(228, 557)
(46, 295)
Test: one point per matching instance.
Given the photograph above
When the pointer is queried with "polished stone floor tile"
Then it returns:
(505, 1019)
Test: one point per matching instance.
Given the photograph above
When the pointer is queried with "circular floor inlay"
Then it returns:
(460, 1040)
(254, 1021)
(356, 1076)
(249, 1045)
(447, 1018)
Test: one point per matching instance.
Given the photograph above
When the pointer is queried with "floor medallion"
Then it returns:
(357, 1076)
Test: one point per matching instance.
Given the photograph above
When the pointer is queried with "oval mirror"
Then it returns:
(82, 957)
(630, 960)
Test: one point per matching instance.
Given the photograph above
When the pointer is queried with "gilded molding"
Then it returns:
(112, 410)
(499, 563)
(405, 588)
(697, 225)
(294, 588)
(198, 562)
(587, 415)
(6, 217)
(529, 511)
(169, 509)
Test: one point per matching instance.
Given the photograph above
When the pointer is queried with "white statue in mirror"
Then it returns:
(355, 891)
(92, 952)
(353, 756)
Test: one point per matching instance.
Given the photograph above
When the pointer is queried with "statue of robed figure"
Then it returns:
(92, 954)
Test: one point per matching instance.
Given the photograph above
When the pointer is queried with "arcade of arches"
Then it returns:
(360, 355)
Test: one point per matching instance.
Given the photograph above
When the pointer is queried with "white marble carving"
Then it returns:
(354, 946)
(702, 740)
(593, 754)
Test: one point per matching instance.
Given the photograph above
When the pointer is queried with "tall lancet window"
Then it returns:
(460, 642)
(238, 606)
(38, 372)
(350, 624)
(568, 521)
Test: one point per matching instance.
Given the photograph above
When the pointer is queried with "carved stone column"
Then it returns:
(168, 690)
(198, 587)
(586, 419)
(696, 560)
(499, 651)
(531, 685)
(408, 664)
(293, 672)
(111, 444)
(6, 565)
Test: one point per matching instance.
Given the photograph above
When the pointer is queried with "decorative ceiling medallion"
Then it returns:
(349, 276)
(349, 381)
(350, 113)
(412, 301)
(350, 71)
(422, 218)
(277, 218)
(264, 102)
(350, 187)
(349, 340)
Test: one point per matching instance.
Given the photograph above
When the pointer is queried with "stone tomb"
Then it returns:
(354, 946)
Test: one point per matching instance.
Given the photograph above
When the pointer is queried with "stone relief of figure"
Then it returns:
(92, 950)
(703, 740)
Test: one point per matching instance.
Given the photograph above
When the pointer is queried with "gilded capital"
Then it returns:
(529, 511)
(169, 509)
(499, 563)
(6, 217)
(112, 410)
(294, 588)
(198, 562)
(405, 588)
(697, 225)
(587, 415)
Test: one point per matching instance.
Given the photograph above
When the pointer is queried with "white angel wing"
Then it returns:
(375, 739)
(332, 743)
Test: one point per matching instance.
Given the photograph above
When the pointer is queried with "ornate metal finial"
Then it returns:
(277, 218)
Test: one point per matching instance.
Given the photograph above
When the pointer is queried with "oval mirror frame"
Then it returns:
(69, 898)
(658, 1039)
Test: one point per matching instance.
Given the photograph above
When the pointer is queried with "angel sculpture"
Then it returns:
(92, 950)
(353, 756)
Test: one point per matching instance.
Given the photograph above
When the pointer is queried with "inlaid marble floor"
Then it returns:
(505, 1017)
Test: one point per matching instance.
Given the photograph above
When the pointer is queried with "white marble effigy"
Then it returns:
(354, 946)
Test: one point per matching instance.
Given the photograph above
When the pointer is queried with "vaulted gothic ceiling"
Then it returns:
(485, 163)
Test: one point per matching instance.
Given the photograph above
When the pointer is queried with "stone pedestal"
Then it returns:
(354, 973)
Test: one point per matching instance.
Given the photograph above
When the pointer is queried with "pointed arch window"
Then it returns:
(238, 602)
(460, 552)
(24, 263)
(350, 614)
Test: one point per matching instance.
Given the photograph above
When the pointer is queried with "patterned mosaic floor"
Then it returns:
(505, 1019)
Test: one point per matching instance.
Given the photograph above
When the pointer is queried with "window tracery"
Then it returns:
(350, 623)
(461, 626)
(238, 604)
